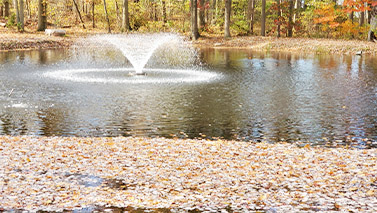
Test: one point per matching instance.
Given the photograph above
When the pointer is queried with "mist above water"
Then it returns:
(140, 50)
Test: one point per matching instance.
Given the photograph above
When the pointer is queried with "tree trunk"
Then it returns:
(206, 11)
(107, 17)
(202, 21)
(41, 26)
(21, 13)
(28, 9)
(45, 13)
(125, 17)
(362, 18)
(213, 12)
(194, 19)
(164, 15)
(78, 12)
(17, 11)
(279, 15)
(263, 19)
(298, 8)
(155, 18)
(42, 15)
(290, 19)
(6, 8)
(251, 9)
(369, 17)
(373, 24)
(228, 6)
(93, 20)
(117, 10)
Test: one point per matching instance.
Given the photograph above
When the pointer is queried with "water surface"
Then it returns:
(324, 99)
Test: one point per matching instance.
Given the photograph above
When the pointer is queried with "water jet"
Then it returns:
(139, 48)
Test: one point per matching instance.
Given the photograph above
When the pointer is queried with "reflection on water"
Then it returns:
(273, 96)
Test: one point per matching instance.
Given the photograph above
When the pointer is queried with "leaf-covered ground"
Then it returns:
(65, 173)
(25, 41)
(301, 45)
(12, 40)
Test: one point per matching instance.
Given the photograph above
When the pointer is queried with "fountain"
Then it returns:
(138, 48)
(166, 49)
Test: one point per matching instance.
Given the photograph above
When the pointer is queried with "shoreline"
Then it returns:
(39, 41)
(294, 45)
(67, 173)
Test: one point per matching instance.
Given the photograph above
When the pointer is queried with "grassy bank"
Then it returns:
(56, 173)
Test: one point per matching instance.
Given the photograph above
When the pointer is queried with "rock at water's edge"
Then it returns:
(55, 32)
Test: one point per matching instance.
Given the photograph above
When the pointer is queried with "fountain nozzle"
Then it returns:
(137, 73)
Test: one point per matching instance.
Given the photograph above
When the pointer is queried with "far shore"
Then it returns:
(13, 41)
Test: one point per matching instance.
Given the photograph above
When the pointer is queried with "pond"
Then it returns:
(326, 100)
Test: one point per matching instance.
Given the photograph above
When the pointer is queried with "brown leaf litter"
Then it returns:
(66, 173)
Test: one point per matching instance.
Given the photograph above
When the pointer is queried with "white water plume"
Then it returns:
(139, 49)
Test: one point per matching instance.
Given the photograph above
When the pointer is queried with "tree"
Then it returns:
(117, 9)
(213, 12)
(228, 7)
(278, 20)
(362, 18)
(107, 17)
(19, 10)
(263, 18)
(28, 8)
(93, 20)
(164, 16)
(78, 12)
(125, 17)
(202, 21)
(16, 10)
(360, 6)
(6, 8)
(290, 19)
(42, 15)
(297, 8)
(250, 16)
(373, 23)
(21, 14)
(194, 19)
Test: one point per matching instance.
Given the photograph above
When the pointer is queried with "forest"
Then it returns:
(342, 19)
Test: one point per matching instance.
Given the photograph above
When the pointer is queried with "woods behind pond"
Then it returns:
(278, 18)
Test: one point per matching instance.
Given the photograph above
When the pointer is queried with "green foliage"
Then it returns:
(19, 27)
(306, 17)
(239, 24)
(11, 20)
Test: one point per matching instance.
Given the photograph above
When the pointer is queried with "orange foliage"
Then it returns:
(334, 21)
(327, 15)
(357, 5)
